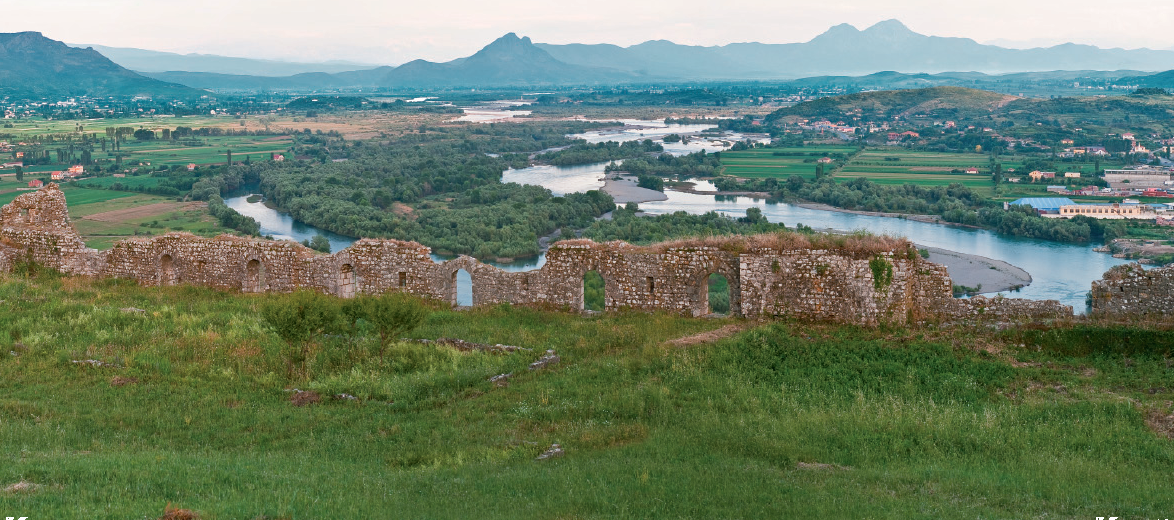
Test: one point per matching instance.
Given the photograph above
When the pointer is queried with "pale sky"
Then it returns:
(394, 31)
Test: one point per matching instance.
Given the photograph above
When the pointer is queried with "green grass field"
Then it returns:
(763, 163)
(75, 196)
(780, 421)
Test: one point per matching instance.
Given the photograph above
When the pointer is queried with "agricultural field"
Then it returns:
(779, 163)
(899, 166)
(210, 149)
(104, 217)
(213, 151)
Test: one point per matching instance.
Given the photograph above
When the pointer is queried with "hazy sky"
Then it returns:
(393, 31)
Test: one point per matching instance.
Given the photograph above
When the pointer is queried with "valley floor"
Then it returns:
(117, 401)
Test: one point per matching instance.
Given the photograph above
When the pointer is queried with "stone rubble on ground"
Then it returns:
(554, 451)
(94, 363)
(549, 359)
(469, 346)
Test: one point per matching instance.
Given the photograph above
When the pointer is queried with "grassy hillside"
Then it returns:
(777, 421)
(32, 66)
(956, 102)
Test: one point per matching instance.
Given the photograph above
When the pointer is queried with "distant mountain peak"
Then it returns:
(890, 26)
(838, 31)
(510, 44)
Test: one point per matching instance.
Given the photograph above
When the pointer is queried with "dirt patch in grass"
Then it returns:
(21, 487)
(820, 466)
(175, 513)
(149, 210)
(709, 336)
(304, 397)
(1162, 422)
(123, 381)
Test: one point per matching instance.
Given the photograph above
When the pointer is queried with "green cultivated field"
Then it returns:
(166, 216)
(74, 196)
(780, 421)
(764, 163)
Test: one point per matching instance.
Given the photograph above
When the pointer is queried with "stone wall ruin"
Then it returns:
(885, 283)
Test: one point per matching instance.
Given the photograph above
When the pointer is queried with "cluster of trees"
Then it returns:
(587, 153)
(628, 225)
(438, 186)
(699, 164)
(229, 217)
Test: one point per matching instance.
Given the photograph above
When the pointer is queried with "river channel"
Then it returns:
(1059, 271)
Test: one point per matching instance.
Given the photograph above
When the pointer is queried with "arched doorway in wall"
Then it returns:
(462, 283)
(347, 281)
(254, 277)
(167, 274)
(717, 288)
(594, 292)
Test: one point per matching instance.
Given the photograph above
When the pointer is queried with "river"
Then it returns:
(1059, 271)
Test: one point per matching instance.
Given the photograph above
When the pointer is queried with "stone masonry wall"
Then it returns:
(806, 284)
(1129, 290)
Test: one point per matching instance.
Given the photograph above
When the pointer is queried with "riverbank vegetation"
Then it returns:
(629, 225)
(588, 153)
(119, 401)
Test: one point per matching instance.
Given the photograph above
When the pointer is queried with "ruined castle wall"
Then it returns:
(827, 286)
(824, 285)
(1129, 290)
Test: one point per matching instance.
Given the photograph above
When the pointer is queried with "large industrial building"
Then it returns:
(1137, 179)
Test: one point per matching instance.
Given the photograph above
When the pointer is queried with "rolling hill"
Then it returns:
(33, 67)
(933, 101)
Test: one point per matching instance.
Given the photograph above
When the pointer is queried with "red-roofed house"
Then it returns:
(57, 176)
(824, 160)
(36, 184)
(972, 171)
(192, 167)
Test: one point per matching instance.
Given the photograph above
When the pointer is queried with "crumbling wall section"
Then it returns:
(1131, 291)
(36, 227)
(766, 279)
(830, 286)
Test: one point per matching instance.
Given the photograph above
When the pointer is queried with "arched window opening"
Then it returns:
(594, 292)
(347, 282)
(167, 271)
(463, 283)
(254, 277)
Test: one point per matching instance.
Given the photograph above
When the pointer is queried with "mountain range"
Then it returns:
(842, 55)
(507, 61)
(845, 50)
(156, 61)
(33, 66)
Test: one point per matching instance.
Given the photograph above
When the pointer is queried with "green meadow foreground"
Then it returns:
(188, 402)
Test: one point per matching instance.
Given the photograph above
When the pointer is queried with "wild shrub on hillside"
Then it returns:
(301, 319)
(390, 314)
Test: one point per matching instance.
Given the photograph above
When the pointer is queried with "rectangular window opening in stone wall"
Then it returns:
(651, 285)
(403, 279)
